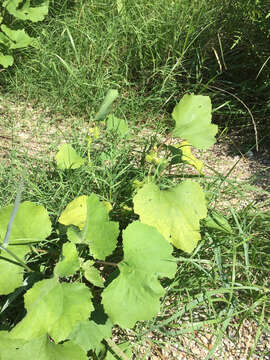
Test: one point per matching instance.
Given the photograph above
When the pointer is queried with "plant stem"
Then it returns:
(117, 349)
(16, 257)
(106, 263)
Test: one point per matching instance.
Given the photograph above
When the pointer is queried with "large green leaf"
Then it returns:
(26, 12)
(41, 348)
(11, 274)
(69, 263)
(89, 335)
(54, 308)
(6, 60)
(31, 223)
(18, 38)
(176, 212)
(67, 158)
(134, 295)
(192, 117)
(99, 233)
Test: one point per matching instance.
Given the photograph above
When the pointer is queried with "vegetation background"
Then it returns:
(154, 52)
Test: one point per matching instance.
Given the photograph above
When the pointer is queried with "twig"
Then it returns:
(250, 113)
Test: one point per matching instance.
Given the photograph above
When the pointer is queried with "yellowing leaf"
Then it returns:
(75, 212)
(189, 158)
(176, 212)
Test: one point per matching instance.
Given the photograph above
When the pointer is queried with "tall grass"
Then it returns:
(152, 50)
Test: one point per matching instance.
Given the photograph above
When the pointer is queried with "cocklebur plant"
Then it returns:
(62, 309)
(13, 38)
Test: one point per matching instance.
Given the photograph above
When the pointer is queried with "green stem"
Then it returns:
(106, 263)
(117, 349)
(16, 257)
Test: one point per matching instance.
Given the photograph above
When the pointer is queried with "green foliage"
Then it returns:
(67, 158)
(88, 335)
(11, 39)
(61, 306)
(134, 294)
(193, 121)
(43, 346)
(70, 262)
(176, 212)
(31, 224)
(99, 233)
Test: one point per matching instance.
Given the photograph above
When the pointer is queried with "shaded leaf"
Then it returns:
(192, 117)
(106, 104)
(117, 125)
(70, 262)
(218, 222)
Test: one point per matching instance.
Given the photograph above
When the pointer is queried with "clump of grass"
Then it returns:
(148, 49)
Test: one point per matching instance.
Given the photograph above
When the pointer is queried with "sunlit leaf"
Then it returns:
(134, 295)
(53, 308)
(67, 158)
(175, 212)
(92, 274)
(42, 346)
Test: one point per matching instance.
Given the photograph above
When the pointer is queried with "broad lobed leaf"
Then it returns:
(192, 116)
(175, 212)
(134, 295)
(53, 308)
(41, 348)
